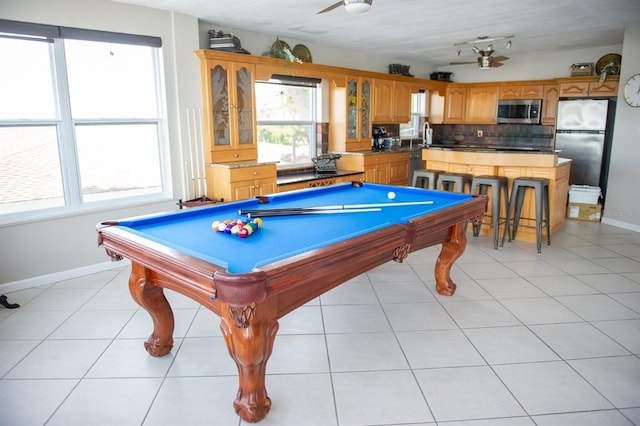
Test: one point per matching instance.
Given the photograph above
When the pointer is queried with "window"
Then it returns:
(286, 120)
(412, 129)
(80, 118)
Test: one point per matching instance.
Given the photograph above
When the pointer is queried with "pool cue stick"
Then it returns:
(350, 207)
(298, 211)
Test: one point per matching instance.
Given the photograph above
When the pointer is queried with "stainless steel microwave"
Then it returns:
(519, 111)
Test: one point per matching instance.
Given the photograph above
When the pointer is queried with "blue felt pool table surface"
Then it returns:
(189, 231)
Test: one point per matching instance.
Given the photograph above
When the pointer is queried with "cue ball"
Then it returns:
(391, 195)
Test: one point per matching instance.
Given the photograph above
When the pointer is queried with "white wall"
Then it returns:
(623, 197)
(531, 67)
(257, 44)
(39, 248)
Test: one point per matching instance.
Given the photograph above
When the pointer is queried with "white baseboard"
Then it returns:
(620, 224)
(61, 276)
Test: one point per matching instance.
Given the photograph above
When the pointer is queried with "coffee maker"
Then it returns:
(379, 135)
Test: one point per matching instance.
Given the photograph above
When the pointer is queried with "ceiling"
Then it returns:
(424, 31)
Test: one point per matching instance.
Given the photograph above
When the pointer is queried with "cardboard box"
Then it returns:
(588, 212)
(584, 194)
(581, 70)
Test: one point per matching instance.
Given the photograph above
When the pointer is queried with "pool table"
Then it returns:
(252, 282)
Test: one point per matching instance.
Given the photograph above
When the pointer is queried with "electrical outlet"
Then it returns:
(479, 133)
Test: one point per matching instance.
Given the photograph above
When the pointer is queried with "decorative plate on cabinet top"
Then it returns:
(302, 52)
(609, 63)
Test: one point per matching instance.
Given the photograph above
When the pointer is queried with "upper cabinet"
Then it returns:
(549, 104)
(229, 111)
(526, 91)
(455, 104)
(350, 115)
(588, 86)
(468, 103)
(482, 105)
(391, 101)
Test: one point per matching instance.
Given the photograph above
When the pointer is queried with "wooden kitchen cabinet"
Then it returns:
(482, 105)
(526, 91)
(398, 168)
(455, 104)
(588, 86)
(240, 181)
(377, 167)
(350, 115)
(550, 98)
(228, 110)
(473, 104)
(391, 101)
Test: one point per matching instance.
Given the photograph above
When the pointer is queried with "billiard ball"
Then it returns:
(391, 195)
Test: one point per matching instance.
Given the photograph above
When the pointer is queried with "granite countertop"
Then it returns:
(471, 148)
(384, 151)
(308, 175)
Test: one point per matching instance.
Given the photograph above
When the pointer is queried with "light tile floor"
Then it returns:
(550, 339)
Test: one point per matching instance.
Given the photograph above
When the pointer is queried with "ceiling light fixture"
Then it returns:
(483, 39)
(357, 6)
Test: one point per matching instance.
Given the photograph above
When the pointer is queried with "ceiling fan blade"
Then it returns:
(500, 58)
(496, 64)
(330, 8)
(461, 63)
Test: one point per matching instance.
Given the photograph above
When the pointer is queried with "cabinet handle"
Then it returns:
(255, 173)
(236, 155)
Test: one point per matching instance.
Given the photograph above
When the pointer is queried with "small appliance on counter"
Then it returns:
(325, 163)
(379, 135)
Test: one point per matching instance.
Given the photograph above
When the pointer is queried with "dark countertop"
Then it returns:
(480, 148)
(309, 175)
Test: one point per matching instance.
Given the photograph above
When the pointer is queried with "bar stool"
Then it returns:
(459, 181)
(499, 191)
(428, 177)
(541, 194)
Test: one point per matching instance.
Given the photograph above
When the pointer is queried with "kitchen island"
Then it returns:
(510, 164)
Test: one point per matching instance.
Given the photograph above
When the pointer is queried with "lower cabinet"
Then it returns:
(240, 181)
(381, 167)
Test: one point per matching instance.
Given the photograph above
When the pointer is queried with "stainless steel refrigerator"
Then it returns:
(583, 134)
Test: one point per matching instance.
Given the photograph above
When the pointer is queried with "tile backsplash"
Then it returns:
(495, 135)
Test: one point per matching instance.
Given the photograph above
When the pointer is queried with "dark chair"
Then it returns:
(499, 191)
(454, 182)
(541, 194)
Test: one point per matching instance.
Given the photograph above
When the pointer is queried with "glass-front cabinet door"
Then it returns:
(220, 103)
(365, 110)
(231, 117)
(244, 105)
(358, 108)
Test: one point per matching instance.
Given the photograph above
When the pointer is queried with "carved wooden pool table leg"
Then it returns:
(151, 297)
(452, 248)
(249, 333)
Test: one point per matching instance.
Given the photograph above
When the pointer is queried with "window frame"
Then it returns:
(65, 125)
(316, 96)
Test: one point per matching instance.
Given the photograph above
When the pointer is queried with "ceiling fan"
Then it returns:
(351, 6)
(485, 60)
